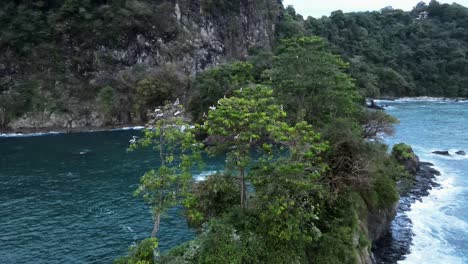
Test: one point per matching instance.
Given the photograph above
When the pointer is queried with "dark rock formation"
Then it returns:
(69, 64)
(372, 105)
(379, 221)
(460, 152)
(396, 242)
(404, 154)
(441, 152)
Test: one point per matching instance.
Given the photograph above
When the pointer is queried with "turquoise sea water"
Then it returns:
(440, 221)
(67, 198)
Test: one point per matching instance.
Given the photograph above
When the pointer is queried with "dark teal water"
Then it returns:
(67, 198)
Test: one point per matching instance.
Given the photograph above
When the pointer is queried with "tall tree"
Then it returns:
(242, 123)
(311, 82)
(171, 135)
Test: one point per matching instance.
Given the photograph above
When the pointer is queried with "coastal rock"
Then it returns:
(441, 152)
(379, 221)
(372, 105)
(396, 242)
(404, 154)
(461, 152)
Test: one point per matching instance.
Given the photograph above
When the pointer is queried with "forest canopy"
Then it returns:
(423, 52)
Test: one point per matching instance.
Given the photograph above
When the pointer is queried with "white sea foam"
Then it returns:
(10, 135)
(389, 107)
(129, 128)
(421, 99)
(30, 134)
(431, 220)
(202, 176)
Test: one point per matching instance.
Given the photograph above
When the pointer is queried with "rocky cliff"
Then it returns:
(79, 63)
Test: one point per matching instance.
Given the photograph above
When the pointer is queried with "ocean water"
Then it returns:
(440, 220)
(67, 198)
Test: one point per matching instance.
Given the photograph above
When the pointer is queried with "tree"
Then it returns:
(377, 122)
(311, 82)
(172, 136)
(106, 100)
(244, 121)
(288, 191)
(162, 84)
(212, 84)
(142, 253)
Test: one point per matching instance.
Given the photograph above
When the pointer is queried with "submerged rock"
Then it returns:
(441, 152)
(461, 152)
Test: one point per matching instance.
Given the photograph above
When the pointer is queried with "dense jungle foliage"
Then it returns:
(305, 169)
(304, 165)
(394, 53)
(107, 62)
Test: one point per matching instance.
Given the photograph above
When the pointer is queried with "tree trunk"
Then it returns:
(156, 225)
(242, 188)
(161, 153)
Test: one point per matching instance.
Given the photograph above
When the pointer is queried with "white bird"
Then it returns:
(282, 108)
(157, 110)
(160, 115)
(241, 89)
(213, 107)
(177, 102)
(204, 114)
(133, 140)
(177, 113)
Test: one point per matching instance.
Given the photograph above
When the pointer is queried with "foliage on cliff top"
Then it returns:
(403, 150)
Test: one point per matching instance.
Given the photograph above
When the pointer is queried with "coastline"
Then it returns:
(40, 131)
(420, 99)
(396, 243)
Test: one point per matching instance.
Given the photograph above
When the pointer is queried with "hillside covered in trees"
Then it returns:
(74, 63)
(305, 180)
(103, 63)
(306, 177)
(423, 52)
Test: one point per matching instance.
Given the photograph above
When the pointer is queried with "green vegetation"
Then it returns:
(143, 253)
(397, 53)
(304, 166)
(306, 77)
(403, 150)
(300, 176)
(57, 56)
(171, 136)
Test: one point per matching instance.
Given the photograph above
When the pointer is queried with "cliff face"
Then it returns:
(56, 57)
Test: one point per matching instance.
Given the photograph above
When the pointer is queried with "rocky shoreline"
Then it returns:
(395, 244)
(51, 130)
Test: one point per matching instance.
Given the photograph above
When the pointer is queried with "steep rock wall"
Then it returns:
(51, 76)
